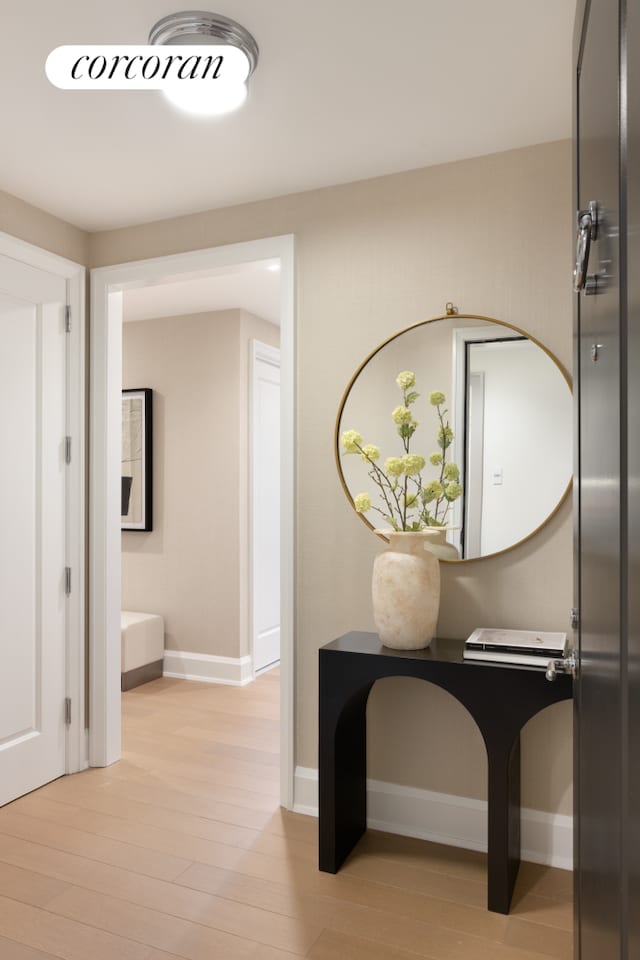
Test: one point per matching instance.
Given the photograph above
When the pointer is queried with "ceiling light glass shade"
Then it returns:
(201, 101)
(195, 28)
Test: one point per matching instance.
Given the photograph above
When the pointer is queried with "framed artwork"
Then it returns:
(137, 469)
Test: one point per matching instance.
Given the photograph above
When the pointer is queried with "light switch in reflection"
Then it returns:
(496, 476)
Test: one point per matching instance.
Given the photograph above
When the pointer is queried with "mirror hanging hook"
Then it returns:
(450, 309)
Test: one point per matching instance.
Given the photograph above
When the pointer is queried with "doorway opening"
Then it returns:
(161, 310)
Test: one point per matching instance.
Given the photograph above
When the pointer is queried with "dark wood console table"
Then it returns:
(501, 699)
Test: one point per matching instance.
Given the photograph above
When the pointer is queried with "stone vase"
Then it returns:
(439, 546)
(406, 589)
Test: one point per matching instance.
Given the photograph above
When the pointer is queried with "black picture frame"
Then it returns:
(136, 503)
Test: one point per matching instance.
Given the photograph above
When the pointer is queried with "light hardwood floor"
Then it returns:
(181, 851)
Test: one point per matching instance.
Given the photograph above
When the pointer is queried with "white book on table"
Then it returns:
(527, 647)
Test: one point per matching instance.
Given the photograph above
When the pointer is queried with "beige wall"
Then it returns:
(191, 567)
(26, 222)
(493, 235)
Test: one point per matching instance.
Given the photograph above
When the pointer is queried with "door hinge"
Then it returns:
(67, 450)
(67, 711)
(67, 318)
(574, 618)
(67, 581)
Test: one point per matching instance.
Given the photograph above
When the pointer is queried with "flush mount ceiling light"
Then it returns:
(195, 28)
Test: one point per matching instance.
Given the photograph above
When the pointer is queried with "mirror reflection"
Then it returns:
(458, 422)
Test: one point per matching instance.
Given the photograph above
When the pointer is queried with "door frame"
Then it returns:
(461, 337)
(107, 285)
(267, 354)
(74, 274)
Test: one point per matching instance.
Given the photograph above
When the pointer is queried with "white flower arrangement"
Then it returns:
(410, 502)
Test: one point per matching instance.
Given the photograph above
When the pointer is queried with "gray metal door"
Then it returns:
(608, 389)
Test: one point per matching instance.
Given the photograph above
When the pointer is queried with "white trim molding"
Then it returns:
(444, 818)
(233, 671)
(107, 285)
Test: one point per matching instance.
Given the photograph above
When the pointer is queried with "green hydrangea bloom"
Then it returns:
(452, 491)
(394, 466)
(401, 415)
(362, 502)
(451, 471)
(370, 453)
(413, 463)
(445, 436)
(406, 379)
(410, 499)
(351, 440)
(435, 459)
(436, 398)
(432, 491)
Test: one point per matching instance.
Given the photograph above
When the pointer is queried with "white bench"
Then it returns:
(142, 648)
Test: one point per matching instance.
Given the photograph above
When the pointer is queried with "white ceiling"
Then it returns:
(249, 286)
(344, 90)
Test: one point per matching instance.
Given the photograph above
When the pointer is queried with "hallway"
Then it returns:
(181, 851)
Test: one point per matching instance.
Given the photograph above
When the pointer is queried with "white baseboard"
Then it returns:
(443, 818)
(234, 671)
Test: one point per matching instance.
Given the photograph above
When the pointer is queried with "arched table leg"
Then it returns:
(503, 834)
(343, 762)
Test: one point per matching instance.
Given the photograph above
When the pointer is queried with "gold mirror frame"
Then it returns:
(451, 312)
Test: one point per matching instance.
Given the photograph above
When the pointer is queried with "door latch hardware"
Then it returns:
(595, 351)
(587, 222)
(67, 319)
(67, 581)
(564, 665)
(67, 450)
(67, 711)
(574, 618)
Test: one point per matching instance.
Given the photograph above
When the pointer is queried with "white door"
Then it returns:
(266, 505)
(32, 528)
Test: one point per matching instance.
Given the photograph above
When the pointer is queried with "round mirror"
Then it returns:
(462, 422)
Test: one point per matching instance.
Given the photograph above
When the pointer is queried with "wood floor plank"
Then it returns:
(16, 883)
(176, 844)
(136, 811)
(339, 946)
(141, 860)
(537, 879)
(63, 938)
(392, 851)
(231, 796)
(199, 706)
(422, 937)
(418, 878)
(92, 795)
(191, 767)
(305, 881)
(549, 941)
(170, 898)
(193, 941)
(542, 910)
(11, 950)
(182, 802)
